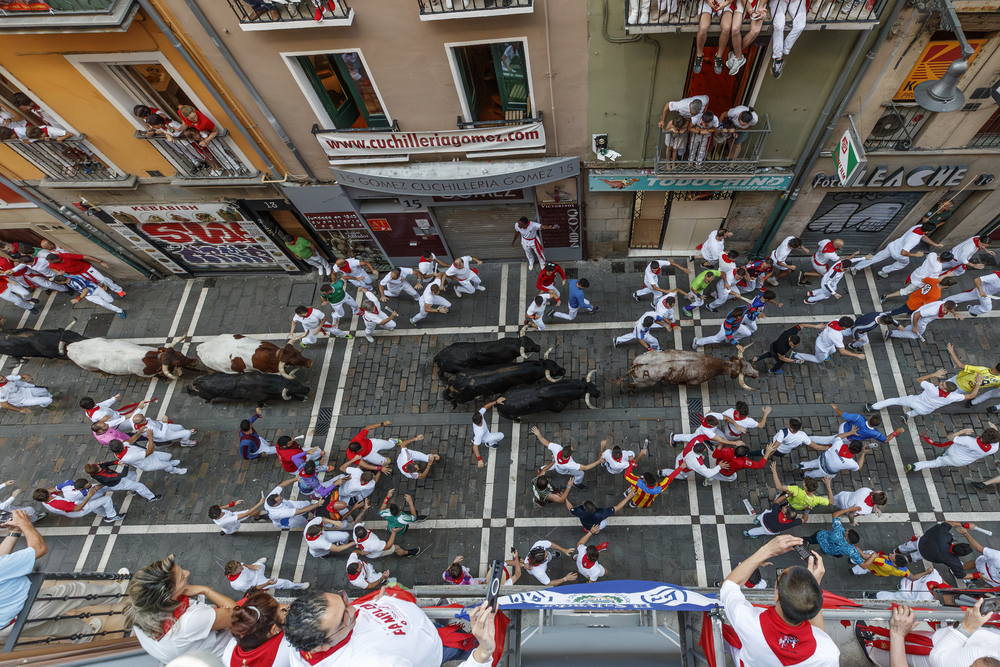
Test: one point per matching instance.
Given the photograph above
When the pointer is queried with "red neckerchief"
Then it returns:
(790, 645)
(45, 130)
(122, 454)
(975, 240)
(587, 563)
(457, 581)
(313, 658)
(705, 423)
(90, 412)
(616, 458)
(656, 271)
(835, 326)
(562, 458)
(784, 519)
(234, 577)
(943, 393)
(262, 656)
(185, 602)
(918, 231)
(303, 473)
(701, 459)
(309, 314)
(870, 501)
(738, 417)
(725, 258)
(828, 248)
(941, 312)
(986, 447)
(845, 451)
(692, 442)
(352, 577)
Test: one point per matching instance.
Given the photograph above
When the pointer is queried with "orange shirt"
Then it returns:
(930, 293)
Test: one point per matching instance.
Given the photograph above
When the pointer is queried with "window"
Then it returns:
(988, 135)
(344, 88)
(494, 80)
(150, 84)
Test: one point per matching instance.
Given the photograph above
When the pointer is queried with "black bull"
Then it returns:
(526, 400)
(47, 343)
(470, 384)
(253, 387)
(459, 356)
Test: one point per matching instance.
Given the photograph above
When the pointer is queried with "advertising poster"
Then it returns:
(348, 236)
(200, 238)
(567, 221)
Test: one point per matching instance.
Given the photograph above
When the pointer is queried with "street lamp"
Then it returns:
(943, 95)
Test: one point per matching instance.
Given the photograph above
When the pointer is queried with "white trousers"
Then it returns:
(338, 308)
(984, 306)
(904, 401)
(911, 548)
(491, 439)
(101, 506)
(378, 445)
(50, 603)
(17, 295)
(985, 396)
(781, 45)
(173, 432)
(634, 335)
(722, 294)
(405, 287)
(99, 278)
(320, 263)
(901, 262)
(571, 315)
(953, 457)
(437, 301)
(31, 396)
(908, 331)
(742, 332)
(39, 280)
(130, 483)
(371, 326)
(468, 286)
(161, 461)
(533, 247)
(98, 296)
(820, 294)
(820, 353)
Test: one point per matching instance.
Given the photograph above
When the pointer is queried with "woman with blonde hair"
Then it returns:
(169, 615)
(258, 636)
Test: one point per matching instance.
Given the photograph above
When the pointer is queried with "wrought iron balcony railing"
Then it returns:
(431, 10)
(59, 15)
(898, 127)
(70, 161)
(220, 160)
(280, 14)
(725, 157)
(669, 15)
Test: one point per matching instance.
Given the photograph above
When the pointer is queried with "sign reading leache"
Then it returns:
(933, 63)
(632, 183)
(947, 175)
(383, 144)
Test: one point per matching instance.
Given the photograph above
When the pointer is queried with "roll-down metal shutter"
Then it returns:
(485, 232)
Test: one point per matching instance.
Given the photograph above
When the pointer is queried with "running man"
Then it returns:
(577, 300)
(651, 279)
(462, 272)
(531, 240)
(354, 270)
(641, 332)
(963, 450)
(564, 463)
(933, 397)
(481, 434)
(901, 250)
(830, 339)
(780, 256)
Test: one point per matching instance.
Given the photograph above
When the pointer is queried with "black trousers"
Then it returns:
(773, 354)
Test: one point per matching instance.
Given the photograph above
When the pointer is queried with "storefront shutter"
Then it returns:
(485, 232)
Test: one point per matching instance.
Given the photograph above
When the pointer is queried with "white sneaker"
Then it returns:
(303, 586)
(729, 59)
(260, 561)
(737, 65)
(480, 288)
(369, 338)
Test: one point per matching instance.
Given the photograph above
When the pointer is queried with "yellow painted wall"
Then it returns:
(39, 62)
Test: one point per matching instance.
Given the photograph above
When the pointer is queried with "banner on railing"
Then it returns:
(383, 144)
(607, 595)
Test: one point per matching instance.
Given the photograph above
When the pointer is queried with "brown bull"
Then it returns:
(690, 368)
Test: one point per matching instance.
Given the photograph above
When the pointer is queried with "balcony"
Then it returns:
(49, 16)
(717, 159)
(683, 15)
(435, 10)
(219, 164)
(70, 164)
(897, 128)
(285, 14)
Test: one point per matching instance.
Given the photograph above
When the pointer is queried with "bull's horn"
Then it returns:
(591, 375)
(166, 371)
(740, 349)
(520, 334)
(295, 339)
(284, 394)
(589, 404)
(62, 348)
(743, 384)
(282, 372)
(548, 352)
(548, 376)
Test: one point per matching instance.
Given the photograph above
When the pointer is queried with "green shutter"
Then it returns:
(467, 84)
(347, 113)
(347, 82)
(512, 75)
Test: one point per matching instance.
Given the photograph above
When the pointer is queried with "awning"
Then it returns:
(612, 594)
(454, 178)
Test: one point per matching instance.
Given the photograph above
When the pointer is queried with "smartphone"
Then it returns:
(803, 553)
(990, 607)
(493, 590)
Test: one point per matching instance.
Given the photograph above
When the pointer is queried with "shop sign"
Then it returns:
(850, 156)
(946, 175)
(198, 237)
(347, 234)
(485, 196)
(339, 145)
(933, 63)
(862, 219)
(566, 220)
(640, 182)
(322, 222)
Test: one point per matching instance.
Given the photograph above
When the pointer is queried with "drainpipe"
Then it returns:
(241, 75)
(788, 199)
(68, 217)
(189, 59)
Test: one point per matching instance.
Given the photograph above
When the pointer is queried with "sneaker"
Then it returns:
(698, 60)
(707, 482)
(34, 311)
(969, 310)
(711, 310)
(40, 516)
(746, 533)
(991, 409)
(854, 348)
(737, 65)
(122, 315)
(556, 554)
(718, 65)
(780, 371)
(614, 342)
(96, 624)
(369, 338)
(635, 296)
(480, 288)
(119, 517)
(776, 67)
(594, 309)
(882, 298)
(772, 282)
(869, 407)
(458, 295)
(979, 485)
(412, 553)
(303, 586)
(849, 6)
(694, 345)
(803, 281)
(882, 274)
(304, 346)
(807, 301)
(908, 467)
(190, 444)
(754, 360)
(421, 517)
(580, 487)
(887, 336)
(730, 58)
(968, 405)
(156, 498)
(122, 293)
(123, 584)
(348, 337)
(632, 504)
(670, 439)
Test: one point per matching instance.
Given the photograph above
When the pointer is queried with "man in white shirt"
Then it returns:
(372, 546)
(828, 283)
(95, 501)
(564, 463)
(965, 251)
(792, 631)
(243, 577)
(616, 460)
(313, 322)
(431, 301)
(18, 393)
(481, 434)
(862, 501)
(587, 557)
(535, 315)
(933, 397)
(230, 521)
(713, 427)
(701, 129)
(837, 457)
(963, 450)
(359, 485)
(738, 420)
(531, 241)
(901, 250)
(824, 257)
(830, 339)
(986, 286)
(468, 280)
(162, 431)
(288, 513)
(373, 317)
(361, 574)
(687, 107)
(354, 272)
(407, 461)
(104, 412)
(694, 456)
(966, 645)
(743, 117)
(922, 317)
(327, 631)
(323, 542)
(147, 459)
(780, 256)
(394, 282)
(651, 279)
(789, 438)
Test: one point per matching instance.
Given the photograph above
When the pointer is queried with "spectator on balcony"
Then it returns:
(689, 107)
(143, 113)
(743, 118)
(200, 156)
(27, 105)
(161, 125)
(45, 133)
(780, 44)
(702, 128)
(199, 121)
(261, 8)
(7, 119)
(709, 8)
(723, 136)
(12, 133)
(675, 138)
(758, 12)
(638, 10)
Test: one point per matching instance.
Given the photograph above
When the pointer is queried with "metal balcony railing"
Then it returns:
(291, 14)
(665, 15)
(724, 157)
(898, 127)
(430, 9)
(192, 161)
(513, 118)
(55, 609)
(70, 161)
(988, 135)
(62, 7)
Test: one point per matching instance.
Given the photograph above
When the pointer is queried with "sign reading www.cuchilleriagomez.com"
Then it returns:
(508, 138)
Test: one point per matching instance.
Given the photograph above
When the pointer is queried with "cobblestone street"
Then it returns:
(691, 536)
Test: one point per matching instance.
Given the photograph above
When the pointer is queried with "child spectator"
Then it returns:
(702, 127)
(675, 138)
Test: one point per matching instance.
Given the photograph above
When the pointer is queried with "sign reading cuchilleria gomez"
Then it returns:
(383, 144)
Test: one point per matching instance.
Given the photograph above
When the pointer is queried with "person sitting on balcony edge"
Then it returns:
(710, 8)
(199, 121)
(758, 12)
(642, 16)
(780, 44)
(260, 8)
(27, 105)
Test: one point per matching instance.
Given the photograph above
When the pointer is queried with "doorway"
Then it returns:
(693, 215)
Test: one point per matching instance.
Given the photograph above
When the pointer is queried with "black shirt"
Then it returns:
(781, 345)
(935, 546)
(108, 476)
(776, 522)
(591, 520)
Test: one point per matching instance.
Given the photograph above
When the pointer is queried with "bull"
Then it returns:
(469, 384)
(119, 357)
(253, 387)
(23, 344)
(233, 354)
(690, 368)
(526, 400)
(460, 356)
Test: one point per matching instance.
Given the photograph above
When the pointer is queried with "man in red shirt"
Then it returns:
(547, 280)
(77, 265)
(369, 448)
(738, 459)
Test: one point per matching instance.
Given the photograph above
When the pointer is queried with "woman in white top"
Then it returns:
(169, 615)
(258, 636)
